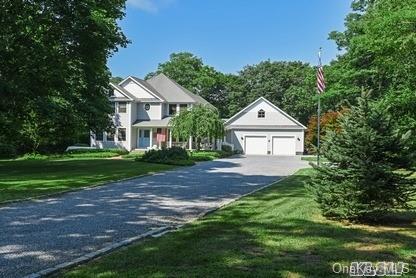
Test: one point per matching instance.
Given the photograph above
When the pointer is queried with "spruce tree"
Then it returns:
(364, 178)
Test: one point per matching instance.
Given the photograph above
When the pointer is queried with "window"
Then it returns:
(147, 107)
(261, 114)
(121, 134)
(110, 135)
(183, 107)
(99, 136)
(122, 107)
(172, 109)
(113, 105)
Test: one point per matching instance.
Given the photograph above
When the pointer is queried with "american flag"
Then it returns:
(320, 80)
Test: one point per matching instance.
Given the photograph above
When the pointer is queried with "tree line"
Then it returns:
(53, 73)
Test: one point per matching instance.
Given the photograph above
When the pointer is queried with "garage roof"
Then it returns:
(248, 107)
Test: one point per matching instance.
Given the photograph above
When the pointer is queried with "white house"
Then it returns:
(143, 109)
(262, 128)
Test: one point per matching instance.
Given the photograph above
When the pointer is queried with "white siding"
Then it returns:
(121, 120)
(117, 94)
(154, 113)
(272, 116)
(136, 90)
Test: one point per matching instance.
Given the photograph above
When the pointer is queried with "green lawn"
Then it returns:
(276, 232)
(314, 158)
(31, 178)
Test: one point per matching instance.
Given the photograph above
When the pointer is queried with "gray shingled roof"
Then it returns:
(122, 90)
(172, 91)
(149, 87)
(153, 123)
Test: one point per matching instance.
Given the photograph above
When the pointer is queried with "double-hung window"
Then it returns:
(122, 107)
(121, 134)
(172, 109)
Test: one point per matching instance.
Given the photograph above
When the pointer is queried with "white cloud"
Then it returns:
(151, 6)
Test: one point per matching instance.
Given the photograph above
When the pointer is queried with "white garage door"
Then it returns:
(284, 145)
(255, 145)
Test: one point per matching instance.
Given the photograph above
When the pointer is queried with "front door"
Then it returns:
(144, 138)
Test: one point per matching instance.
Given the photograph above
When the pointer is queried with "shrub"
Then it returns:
(81, 151)
(226, 149)
(364, 179)
(174, 155)
(7, 151)
(328, 122)
(33, 156)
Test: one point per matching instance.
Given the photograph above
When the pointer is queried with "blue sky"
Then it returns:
(227, 34)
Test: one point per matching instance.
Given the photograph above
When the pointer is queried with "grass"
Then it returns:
(75, 154)
(276, 232)
(32, 178)
(314, 158)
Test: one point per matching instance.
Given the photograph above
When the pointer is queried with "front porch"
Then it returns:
(157, 138)
(161, 137)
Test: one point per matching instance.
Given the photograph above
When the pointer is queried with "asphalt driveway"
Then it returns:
(35, 235)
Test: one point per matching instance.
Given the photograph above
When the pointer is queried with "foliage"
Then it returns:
(328, 123)
(7, 151)
(172, 156)
(362, 180)
(53, 72)
(80, 151)
(380, 54)
(190, 72)
(226, 148)
(276, 232)
(33, 178)
(75, 154)
(199, 122)
(208, 155)
(289, 85)
(116, 79)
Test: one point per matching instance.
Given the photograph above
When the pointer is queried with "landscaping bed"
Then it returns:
(276, 232)
(181, 157)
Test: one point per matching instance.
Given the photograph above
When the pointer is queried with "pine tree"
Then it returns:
(364, 178)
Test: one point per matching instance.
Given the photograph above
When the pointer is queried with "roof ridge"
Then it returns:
(185, 90)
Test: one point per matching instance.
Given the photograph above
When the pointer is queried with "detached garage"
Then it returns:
(263, 129)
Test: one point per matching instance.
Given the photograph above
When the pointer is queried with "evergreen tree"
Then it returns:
(364, 178)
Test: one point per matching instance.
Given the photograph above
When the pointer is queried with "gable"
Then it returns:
(273, 116)
(117, 94)
(136, 90)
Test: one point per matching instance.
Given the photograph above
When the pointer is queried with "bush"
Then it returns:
(81, 151)
(364, 178)
(174, 155)
(7, 151)
(226, 149)
(33, 156)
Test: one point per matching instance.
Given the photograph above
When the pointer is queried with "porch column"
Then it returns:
(190, 142)
(151, 138)
(170, 138)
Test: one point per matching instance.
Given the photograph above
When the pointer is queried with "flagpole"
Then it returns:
(319, 114)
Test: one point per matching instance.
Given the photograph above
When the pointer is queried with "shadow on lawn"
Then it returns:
(273, 233)
(42, 233)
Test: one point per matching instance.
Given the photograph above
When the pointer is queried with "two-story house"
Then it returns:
(143, 109)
